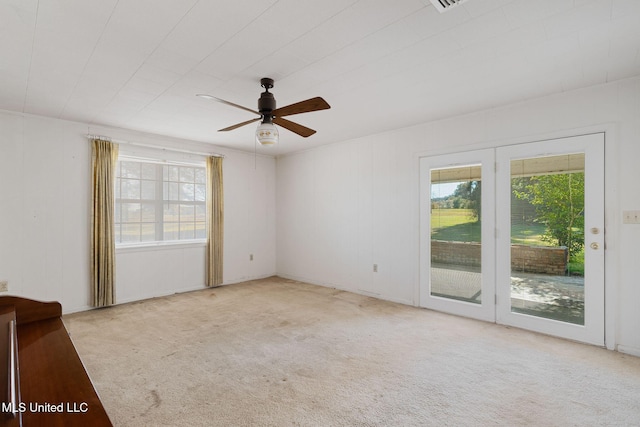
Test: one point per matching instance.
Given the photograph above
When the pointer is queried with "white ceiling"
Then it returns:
(381, 64)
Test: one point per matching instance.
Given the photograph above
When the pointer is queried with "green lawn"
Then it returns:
(459, 225)
(528, 234)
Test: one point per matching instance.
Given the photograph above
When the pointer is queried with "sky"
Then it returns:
(444, 189)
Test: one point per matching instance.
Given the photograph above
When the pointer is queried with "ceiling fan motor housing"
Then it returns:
(266, 104)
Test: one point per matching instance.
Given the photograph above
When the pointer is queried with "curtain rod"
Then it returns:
(119, 141)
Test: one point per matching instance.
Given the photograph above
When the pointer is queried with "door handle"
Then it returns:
(594, 245)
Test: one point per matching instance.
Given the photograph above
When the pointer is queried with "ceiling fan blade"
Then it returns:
(213, 98)
(294, 127)
(313, 104)
(239, 125)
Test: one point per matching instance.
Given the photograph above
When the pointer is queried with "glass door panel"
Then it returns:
(456, 235)
(547, 237)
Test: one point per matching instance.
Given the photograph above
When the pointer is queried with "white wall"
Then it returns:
(341, 208)
(45, 189)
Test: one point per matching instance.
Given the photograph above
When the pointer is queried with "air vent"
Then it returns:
(444, 5)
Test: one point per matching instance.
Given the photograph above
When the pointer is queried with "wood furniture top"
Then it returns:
(54, 387)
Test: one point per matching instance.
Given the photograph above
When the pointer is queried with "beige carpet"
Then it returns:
(276, 352)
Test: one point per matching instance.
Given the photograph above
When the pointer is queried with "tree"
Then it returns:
(559, 203)
(468, 196)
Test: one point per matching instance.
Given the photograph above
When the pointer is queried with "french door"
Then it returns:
(457, 239)
(515, 235)
(556, 287)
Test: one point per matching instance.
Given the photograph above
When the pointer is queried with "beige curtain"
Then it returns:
(215, 221)
(104, 160)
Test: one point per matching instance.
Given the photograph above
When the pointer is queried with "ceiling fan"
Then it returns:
(267, 133)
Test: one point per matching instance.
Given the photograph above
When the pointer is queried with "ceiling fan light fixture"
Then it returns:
(267, 133)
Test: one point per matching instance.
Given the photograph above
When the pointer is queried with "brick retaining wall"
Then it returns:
(529, 259)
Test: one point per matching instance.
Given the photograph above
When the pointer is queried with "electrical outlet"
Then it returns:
(4, 286)
(375, 268)
(250, 257)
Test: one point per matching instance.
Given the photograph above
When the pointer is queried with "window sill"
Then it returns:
(160, 246)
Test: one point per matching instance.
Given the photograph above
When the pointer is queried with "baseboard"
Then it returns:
(160, 294)
(171, 292)
(76, 309)
(191, 289)
(247, 279)
(634, 351)
(342, 288)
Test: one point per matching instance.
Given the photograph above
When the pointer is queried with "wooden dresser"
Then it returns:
(42, 379)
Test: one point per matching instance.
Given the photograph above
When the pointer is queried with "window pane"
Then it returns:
(130, 233)
(148, 190)
(173, 173)
(187, 192)
(149, 171)
(117, 232)
(171, 212)
(130, 189)
(187, 213)
(116, 188)
(186, 174)
(148, 212)
(201, 213)
(187, 231)
(171, 231)
(130, 212)
(130, 169)
(200, 192)
(117, 213)
(173, 191)
(200, 176)
(201, 230)
(148, 233)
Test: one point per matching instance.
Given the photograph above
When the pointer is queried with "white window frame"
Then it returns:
(161, 188)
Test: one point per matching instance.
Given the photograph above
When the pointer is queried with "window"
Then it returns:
(159, 201)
